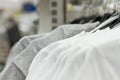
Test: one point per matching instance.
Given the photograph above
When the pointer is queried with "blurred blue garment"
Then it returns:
(29, 7)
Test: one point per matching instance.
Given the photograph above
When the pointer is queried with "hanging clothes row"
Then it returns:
(94, 18)
(87, 51)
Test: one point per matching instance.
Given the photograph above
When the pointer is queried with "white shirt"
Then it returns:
(57, 68)
(99, 60)
(52, 52)
(47, 64)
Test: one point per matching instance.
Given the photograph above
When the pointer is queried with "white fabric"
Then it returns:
(53, 51)
(70, 52)
(95, 61)
(41, 67)
(99, 60)
(77, 49)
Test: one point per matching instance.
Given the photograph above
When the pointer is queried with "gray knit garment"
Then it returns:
(18, 68)
(21, 45)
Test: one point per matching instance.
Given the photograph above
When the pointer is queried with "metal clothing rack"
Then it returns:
(58, 12)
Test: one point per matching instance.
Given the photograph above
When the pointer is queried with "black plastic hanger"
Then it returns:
(112, 24)
(116, 21)
(105, 17)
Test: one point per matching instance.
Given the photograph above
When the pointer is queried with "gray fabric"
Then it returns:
(24, 59)
(21, 45)
(12, 74)
(16, 50)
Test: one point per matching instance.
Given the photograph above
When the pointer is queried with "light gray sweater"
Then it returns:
(21, 45)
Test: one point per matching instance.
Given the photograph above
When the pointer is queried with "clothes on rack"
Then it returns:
(91, 54)
(19, 65)
(68, 32)
(49, 66)
(58, 64)
(70, 52)
(92, 18)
